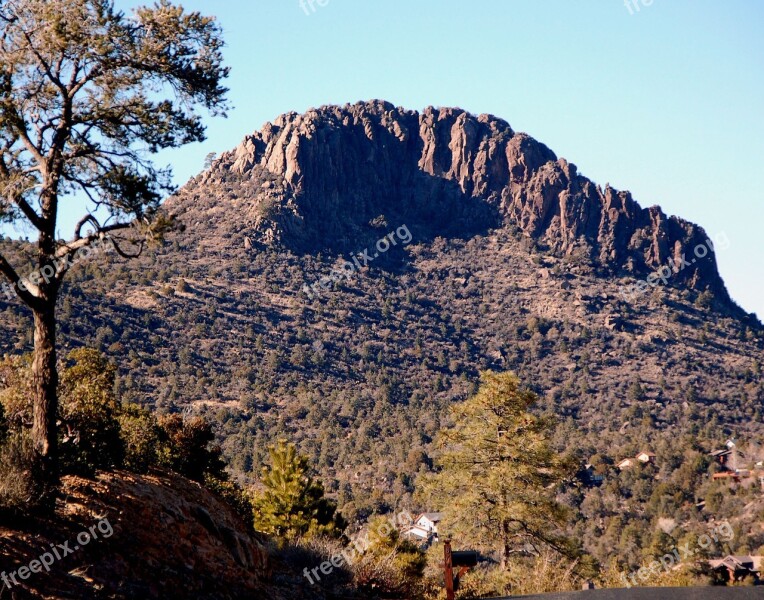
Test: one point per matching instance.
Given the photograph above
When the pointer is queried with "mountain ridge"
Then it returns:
(320, 177)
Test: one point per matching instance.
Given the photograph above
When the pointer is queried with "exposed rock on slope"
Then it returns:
(171, 539)
(316, 181)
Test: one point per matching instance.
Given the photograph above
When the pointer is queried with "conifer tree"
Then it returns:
(293, 505)
(497, 472)
(88, 95)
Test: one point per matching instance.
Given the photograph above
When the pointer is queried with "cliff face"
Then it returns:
(316, 181)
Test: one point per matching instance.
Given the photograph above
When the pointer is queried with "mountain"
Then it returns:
(316, 181)
(279, 311)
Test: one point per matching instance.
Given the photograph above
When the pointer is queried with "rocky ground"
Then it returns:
(133, 536)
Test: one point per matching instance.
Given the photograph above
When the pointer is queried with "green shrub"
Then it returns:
(292, 503)
(89, 433)
(139, 432)
(3, 424)
(19, 488)
(96, 432)
(16, 392)
(705, 300)
(546, 573)
(233, 495)
(185, 447)
(389, 565)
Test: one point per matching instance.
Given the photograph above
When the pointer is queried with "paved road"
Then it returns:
(706, 593)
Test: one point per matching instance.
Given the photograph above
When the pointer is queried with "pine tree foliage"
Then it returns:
(292, 504)
(88, 94)
(497, 472)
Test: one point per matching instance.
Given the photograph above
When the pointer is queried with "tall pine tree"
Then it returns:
(497, 473)
(89, 94)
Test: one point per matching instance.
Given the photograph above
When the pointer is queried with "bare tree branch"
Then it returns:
(20, 287)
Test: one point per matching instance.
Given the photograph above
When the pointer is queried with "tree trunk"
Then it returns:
(45, 390)
(506, 551)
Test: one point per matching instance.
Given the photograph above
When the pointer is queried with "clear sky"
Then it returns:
(663, 99)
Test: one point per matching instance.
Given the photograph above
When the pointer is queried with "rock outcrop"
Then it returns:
(315, 181)
(167, 537)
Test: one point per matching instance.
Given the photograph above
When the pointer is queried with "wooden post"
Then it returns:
(449, 570)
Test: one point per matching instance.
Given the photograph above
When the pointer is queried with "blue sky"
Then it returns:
(664, 100)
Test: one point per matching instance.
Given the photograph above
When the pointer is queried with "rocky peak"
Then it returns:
(318, 180)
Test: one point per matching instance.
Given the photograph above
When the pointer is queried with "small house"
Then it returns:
(733, 569)
(429, 521)
(722, 456)
(626, 463)
(589, 476)
(645, 458)
(425, 527)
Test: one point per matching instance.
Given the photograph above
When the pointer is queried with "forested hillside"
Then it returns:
(514, 263)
